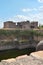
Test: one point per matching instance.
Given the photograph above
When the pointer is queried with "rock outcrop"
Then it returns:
(38, 55)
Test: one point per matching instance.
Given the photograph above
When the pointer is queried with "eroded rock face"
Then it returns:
(39, 46)
(38, 55)
(35, 58)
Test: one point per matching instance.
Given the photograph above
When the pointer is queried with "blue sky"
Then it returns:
(20, 10)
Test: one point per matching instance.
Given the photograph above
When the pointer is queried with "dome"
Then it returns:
(39, 46)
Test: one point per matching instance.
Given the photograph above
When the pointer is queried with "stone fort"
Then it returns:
(24, 25)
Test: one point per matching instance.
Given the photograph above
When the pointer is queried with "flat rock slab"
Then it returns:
(38, 55)
(1, 63)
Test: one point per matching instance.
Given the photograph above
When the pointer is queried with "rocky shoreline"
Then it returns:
(35, 58)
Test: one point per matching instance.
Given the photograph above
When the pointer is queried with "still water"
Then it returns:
(12, 53)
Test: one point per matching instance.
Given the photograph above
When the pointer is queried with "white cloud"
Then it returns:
(40, 10)
(41, 1)
(38, 17)
(10, 19)
(1, 24)
(21, 18)
(29, 10)
(34, 9)
(26, 10)
(32, 17)
(41, 7)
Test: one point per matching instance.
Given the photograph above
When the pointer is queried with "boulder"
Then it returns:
(39, 46)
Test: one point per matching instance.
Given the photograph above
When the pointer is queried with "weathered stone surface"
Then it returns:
(38, 55)
(1, 63)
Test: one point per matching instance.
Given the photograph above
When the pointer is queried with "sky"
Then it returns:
(20, 10)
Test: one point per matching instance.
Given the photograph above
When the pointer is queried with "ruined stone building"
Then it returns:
(34, 24)
(24, 25)
(9, 24)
